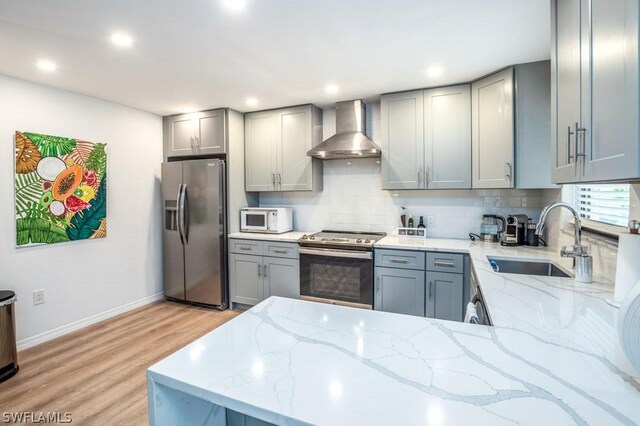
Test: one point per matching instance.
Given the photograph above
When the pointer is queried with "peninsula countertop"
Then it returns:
(552, 357)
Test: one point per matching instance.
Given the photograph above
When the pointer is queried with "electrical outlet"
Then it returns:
(431, 221)
(38, 297)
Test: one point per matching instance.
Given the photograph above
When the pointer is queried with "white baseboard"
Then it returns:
(77, 325)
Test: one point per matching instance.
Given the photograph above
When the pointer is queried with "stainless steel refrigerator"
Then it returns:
(194, 231)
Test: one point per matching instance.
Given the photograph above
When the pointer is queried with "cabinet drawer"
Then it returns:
(246, 246)
(445, 262)
(400, 259)
(289, 250)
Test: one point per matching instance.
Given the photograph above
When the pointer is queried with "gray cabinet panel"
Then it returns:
(611, 139)
(400, 259)
(445, 262)
(211, 132)
(260, 151)
(276, 249)
(294, 140)
(245, 275)
(447, 137)
(444, 296)
(402, 140)
(254, 247)
(281, 277)
(179, 135)
(400, 291)
(493, 131)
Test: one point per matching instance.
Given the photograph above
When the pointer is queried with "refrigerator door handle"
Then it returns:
(185, 212)
(180, 214)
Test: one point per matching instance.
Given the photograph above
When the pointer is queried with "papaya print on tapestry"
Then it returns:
(61, 189)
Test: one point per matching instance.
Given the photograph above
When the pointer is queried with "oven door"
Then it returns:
(342, 277)
(254, 220)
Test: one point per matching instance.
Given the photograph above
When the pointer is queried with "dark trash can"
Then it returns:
(8, 350)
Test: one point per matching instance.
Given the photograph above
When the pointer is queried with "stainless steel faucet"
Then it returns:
(582, 262)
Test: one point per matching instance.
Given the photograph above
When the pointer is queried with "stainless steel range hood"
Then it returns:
(350, 140)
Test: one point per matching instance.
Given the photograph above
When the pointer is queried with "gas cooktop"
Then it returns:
(362, 240)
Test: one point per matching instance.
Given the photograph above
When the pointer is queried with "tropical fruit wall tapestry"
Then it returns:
(61, 189)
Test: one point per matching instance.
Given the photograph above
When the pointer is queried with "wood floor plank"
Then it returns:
(98, 374)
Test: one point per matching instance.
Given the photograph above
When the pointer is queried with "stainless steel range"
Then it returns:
(337, 267)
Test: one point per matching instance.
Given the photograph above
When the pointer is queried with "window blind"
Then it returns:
(607, 203)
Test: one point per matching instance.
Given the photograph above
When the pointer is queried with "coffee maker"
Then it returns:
(516, 232)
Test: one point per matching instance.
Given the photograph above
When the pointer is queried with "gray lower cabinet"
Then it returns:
(245, 276)
(281, 277)
(444, 298)
(254, 277)
(400, 291)
(430, 284)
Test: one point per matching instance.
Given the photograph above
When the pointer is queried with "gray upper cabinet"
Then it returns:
(403, 140)
(447, 137)
(276, 145)
(594, 90)
(400, 291)
(492, 132)
(199, 133)
(444, 296)
(260, 133)
(533, 125)
(426, 139)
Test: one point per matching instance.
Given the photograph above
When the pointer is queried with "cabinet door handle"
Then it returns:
(509, 171)
(192, 141)
(244, 248)
(259, 269)
(427, 176)
(197, 142)
(264, 271)
(569, 133)
(283, 251)
(397, 260)
(444, 264)
(420, 177)
(279, 180)
(430, 289)
(273, 180)
(377, 283)
(581, 135)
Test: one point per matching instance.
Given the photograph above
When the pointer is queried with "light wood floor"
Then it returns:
(98, 373)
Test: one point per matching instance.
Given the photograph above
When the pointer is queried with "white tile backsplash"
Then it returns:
(353, 199)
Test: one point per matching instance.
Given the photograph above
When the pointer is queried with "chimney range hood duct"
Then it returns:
(350, 140)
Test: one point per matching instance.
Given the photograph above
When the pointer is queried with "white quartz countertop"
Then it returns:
(290, 237)
(552, 357)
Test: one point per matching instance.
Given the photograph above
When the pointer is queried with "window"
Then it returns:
(607, 203)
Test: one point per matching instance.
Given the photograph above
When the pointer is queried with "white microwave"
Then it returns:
(272, 220)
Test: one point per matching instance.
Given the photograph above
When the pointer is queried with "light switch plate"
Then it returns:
(38, 297)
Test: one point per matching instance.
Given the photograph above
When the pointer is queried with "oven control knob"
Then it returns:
(367, 241)
(312, 237)
(359, 240)
(304, 237)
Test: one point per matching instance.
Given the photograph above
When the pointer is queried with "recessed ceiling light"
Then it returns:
(331, 89)
(46, 65)
(234, 5)
(121, 39)
(435, 71)
(252, 101)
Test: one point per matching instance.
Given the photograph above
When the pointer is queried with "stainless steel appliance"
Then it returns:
(194, 231)
(337, 267)
(350, 140)
(516, 230)
(269, 220)
(8, 352)
(476, 312)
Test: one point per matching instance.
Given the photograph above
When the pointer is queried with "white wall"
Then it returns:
(84, 281)
(353, 198)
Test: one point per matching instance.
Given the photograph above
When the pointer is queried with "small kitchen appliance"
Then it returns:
(268, 220)
(337, 267)
(491, 229)
(516, 230)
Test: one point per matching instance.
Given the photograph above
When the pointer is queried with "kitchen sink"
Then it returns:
(526, 267)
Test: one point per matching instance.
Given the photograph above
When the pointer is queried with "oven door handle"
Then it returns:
(367, 255)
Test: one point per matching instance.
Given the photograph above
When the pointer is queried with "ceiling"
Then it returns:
(198, 54)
